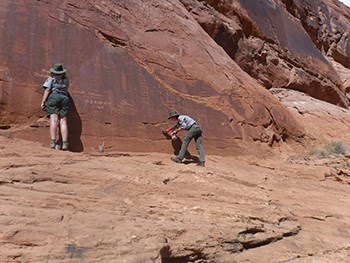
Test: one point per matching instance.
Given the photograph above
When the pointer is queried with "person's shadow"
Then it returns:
(74, 128)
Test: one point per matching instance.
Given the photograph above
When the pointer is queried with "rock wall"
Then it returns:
(131, 61)
(286, 44)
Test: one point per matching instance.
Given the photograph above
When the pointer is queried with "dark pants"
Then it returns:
(58, 104)
(194, 132)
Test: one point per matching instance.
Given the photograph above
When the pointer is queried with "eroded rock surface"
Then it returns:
(283, 44)
(131, 61)
(140, 207)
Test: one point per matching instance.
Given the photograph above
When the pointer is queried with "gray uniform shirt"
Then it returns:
(61, 85)
(185, 122)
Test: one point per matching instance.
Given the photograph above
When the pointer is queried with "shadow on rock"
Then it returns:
(75, 129)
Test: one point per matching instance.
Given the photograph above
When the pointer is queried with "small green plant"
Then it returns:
(318, 153)
(332, 148)
(336, 147)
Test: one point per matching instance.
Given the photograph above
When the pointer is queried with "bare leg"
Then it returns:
(64, 129)
(53, 126)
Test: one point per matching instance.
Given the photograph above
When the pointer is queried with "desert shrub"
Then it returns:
(332, 148)
(318, 153)
(336, 147)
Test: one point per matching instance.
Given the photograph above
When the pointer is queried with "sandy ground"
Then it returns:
(60, 206)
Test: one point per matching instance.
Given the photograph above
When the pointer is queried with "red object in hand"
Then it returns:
(167, 130)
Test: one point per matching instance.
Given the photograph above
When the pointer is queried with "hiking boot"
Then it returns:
(201, 164)
(53, 144)
(64, 146)
(176, 159)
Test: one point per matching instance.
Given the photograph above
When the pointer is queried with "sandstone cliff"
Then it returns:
(267, 80)
(131, 61)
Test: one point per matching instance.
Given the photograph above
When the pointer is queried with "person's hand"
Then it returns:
(43, 105)
(173, 133)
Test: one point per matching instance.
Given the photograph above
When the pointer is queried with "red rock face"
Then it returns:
(130, 62)
(282, 45)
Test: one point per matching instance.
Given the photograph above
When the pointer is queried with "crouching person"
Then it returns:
(184, 122)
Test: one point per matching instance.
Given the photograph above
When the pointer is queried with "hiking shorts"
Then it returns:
(58, 103)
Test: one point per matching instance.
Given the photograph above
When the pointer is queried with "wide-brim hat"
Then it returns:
(58, 69)
(173, 113)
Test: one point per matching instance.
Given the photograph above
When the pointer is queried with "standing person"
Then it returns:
(56, 103)
(184, 122)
